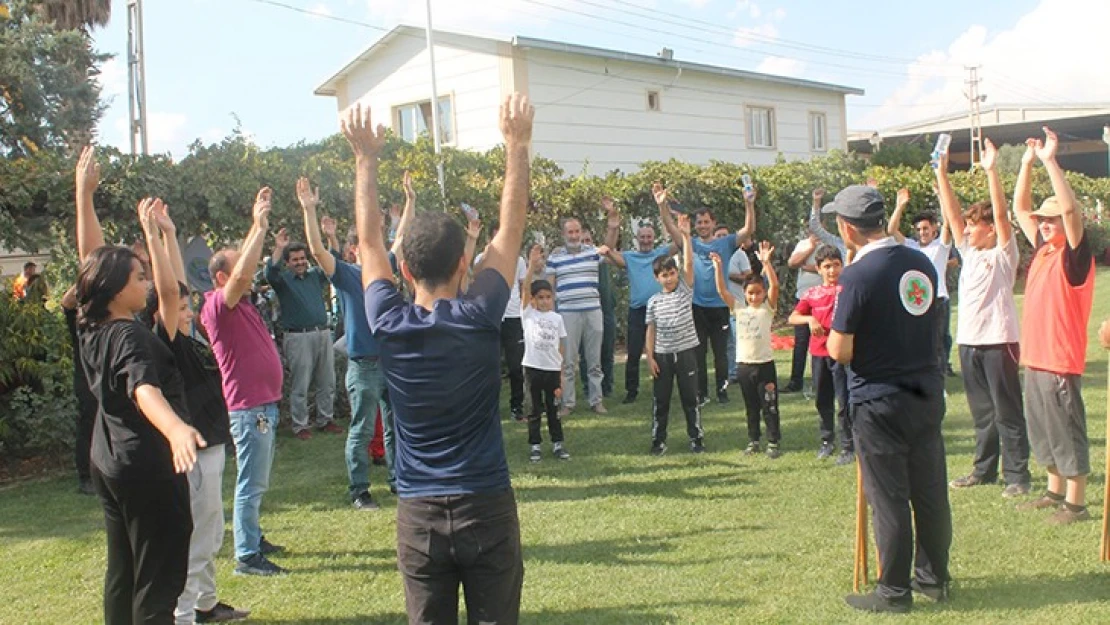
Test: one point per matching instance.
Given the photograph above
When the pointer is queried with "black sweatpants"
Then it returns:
(542, 385)
(801, 355)
(148, 525)
(993, 389)
(683, 367)
(637, 333)
(901, 453)
(473, 540)
(712, 326)
(512, 346)
(86, 417)
(760, 386)
(944, 332)
(830, 380)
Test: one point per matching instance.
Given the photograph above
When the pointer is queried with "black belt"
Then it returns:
(303, 330)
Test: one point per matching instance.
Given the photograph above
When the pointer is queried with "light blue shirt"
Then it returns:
(705, 282)
(641, 275)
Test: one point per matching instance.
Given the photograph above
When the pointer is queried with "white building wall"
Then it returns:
(592, 113)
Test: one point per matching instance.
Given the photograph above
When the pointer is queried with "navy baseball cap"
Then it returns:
(858, 203)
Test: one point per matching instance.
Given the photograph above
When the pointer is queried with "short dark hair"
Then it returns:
(705, 211)
(293, 248)
(928, 216)
(980, 212)
(827, 252)
(352, 237)
(152, 301)
(432, 247)
(538, 286)
(754, 279)
(664, 263)
(103, 274)
(29, 265)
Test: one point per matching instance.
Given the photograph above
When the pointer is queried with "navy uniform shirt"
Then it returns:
(886, 301)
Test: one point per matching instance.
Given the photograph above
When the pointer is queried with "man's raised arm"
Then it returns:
(949, 202)
(367, 143)
(1065, 197)
(89, 234)
(663, 200)
(1023, 193)
(745, 234)
(243, 274)
(516, 126)
(406, 215)
(310, 199)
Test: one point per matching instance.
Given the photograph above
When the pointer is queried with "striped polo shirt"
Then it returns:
(576, 278)
(673, 316)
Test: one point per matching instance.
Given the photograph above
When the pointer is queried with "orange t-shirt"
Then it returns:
(1059, 292)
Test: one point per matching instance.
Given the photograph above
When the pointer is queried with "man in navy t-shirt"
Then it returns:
(884, 326)
(456, 516)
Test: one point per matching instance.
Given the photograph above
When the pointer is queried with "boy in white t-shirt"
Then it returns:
(755, 359)
(543, 357)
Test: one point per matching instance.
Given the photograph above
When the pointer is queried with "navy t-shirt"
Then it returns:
(442, 368)
(886, 301)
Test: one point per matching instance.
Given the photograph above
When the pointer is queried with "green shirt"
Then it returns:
(605, 287)
(301, 297)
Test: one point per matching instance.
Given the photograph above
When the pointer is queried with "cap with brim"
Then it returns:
(858, 204)
(1050, 208)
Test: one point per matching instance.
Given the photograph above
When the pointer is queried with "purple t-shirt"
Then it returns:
(244, 350)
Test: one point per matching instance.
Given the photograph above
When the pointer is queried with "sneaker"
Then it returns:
(697, 446)
(331, 428)
(560, 452)
(936, 592)
(266, 547)
(826, 451)
(1044, 502)
(518, 415)
(846, 457)
(564, 411)
(85, 487)
(599, 408)
(220, 613)
(365, 502)
(872, 602)
(1067, 516)
(773, 450)
(1015, 490)
(658, 449)
(535, 455)
(258, 565)
(752, 448)
(303, 435)
(970, 480)
(629, 398)
(791, 388)
(722, 397)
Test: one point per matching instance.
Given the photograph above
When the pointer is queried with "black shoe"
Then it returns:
(791, 388)
(85, 487)
(826, 451)
(258, 565)
(629, 398)
(560, 452)
(266, 547)
(846, 457)
(936, 592)
(697, 446)
(365, 502)
(722, 397)
(535, 455)
(872, 602)
(220, 613)
(518, 415)
(658, 449)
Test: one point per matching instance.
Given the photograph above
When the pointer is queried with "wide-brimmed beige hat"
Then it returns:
(1049, 208)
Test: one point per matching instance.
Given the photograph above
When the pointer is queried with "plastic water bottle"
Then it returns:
(470, 211)
(943, 141)
(747, 180)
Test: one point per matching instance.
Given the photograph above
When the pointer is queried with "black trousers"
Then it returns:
(148, 525)
(512, 346)
(712, 327)
(760, 387)
(637, 333)
(994, 396)
(830, 381)
(542, 385)
(901, 454)
(608, 347)
(86, 416)
(469, 539)
(683, 367)
(801, 355)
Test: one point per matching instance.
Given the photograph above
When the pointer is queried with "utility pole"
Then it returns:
(975, 122)
(435, 103)
(136, 78)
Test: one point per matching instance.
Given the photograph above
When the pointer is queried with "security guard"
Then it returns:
(884, 327)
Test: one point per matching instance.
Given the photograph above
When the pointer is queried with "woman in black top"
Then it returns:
(141, 447)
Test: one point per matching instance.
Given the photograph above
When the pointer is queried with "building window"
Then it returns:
(818, 132)
(761, 127)
(413, 120)
(653, 101)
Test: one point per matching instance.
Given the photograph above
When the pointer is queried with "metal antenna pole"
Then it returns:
(136, 78)
(435, 103)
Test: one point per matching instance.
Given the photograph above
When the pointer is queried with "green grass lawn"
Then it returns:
(614, 535)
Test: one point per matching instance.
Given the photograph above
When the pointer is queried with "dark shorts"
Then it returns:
(1057, 422)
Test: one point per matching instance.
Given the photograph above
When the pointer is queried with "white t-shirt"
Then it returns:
(753, 333)
(938, 255)
(513, 309)
(543, 334)
(988, 314)
(806, 279)
(739, 263)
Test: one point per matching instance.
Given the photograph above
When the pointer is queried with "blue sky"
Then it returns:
(210, 62)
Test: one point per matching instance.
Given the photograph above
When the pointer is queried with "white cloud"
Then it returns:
(165, 133)
(781, 66)
(747, 36)
(1048, 56)
(779, 14)
(113, 78)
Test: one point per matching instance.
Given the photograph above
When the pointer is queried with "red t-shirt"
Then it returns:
(819, 302)
(245, 352)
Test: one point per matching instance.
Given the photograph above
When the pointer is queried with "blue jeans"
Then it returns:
(731, 347)
(388, 439)
(254, 455)
(364, 388)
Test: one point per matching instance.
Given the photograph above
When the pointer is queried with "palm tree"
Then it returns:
(76, 14)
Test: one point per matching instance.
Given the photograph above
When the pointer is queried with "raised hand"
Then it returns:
(603, 250)
(1046, 150)
(874, 184)
(990, 156)
(366, 141)
(262, 207)
(818, 195)
(749, 195)
(1030, 151)
(473, 228)
(613, 216)
(327, 226)
(406, 183)
(684, 224)
(535, 260)
(942, 163)
(516, 118)
(716, 259)
(662, 198)
(281, 239)
(306, 195)
(394, 213)
(88, 171)
(162, 218)
(766, 250)
(903, 197)
(146, 215)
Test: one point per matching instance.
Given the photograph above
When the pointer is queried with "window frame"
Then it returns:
(447, 122)
(749, 110)
(658, 95)
(824, 135)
